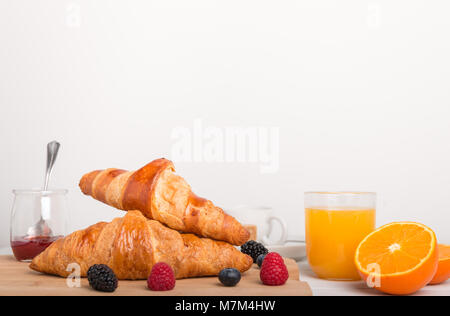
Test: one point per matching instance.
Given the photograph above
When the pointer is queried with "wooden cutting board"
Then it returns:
(17, 279)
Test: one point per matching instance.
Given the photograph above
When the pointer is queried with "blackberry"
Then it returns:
(102, 278)
(260, 260)
(253, 249)
(229, 276)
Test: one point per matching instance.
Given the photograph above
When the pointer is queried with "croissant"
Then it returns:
(162, 195)
(132, 244)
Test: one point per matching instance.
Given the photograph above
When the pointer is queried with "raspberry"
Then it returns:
(161, 278)
(273, 270)
(273, 257)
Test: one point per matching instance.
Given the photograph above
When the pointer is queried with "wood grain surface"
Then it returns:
(17, 279)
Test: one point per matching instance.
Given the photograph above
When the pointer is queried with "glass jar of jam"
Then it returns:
(38, 218)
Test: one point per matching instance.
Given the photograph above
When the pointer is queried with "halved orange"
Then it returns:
(398, 258)
(443, 270)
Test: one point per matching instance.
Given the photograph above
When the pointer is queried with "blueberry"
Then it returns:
(260, 260)
(229, 276)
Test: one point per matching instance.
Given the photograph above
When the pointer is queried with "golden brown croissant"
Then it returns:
(132, 244)
(160, 194)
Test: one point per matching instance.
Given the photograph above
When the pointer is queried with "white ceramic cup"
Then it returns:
(262, 218)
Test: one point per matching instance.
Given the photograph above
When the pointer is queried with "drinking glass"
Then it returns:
(33, 209)
(335, 223)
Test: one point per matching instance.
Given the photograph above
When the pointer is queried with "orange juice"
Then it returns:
(332, 236)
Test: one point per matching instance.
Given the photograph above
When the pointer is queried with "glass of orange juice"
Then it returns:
(335, 223)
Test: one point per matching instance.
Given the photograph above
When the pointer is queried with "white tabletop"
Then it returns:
(322, 287)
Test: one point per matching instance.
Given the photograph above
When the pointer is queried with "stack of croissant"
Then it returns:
(165, 222)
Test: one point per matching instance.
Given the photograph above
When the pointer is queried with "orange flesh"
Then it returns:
(397, 249)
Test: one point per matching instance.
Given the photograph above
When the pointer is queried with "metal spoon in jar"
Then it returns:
(41, 228)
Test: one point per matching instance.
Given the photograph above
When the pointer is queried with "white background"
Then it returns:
(359, 90)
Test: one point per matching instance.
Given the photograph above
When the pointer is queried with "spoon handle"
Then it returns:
(52, 152)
